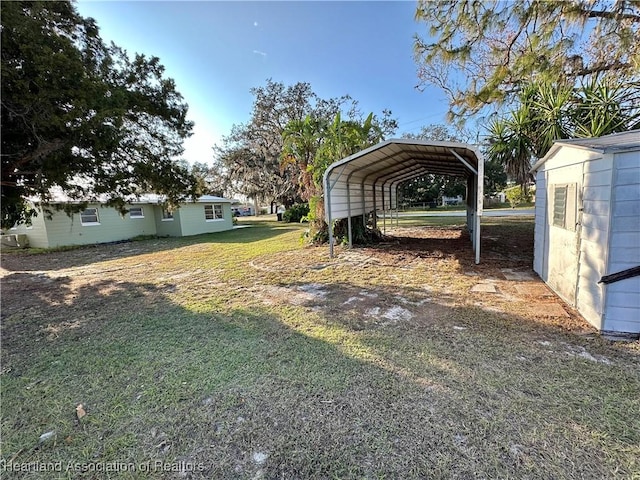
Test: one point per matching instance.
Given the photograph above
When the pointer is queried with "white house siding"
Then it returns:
(65, 230)
(622, 313)
(594, 234)
(193, 222)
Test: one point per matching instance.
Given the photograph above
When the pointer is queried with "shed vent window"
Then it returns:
(564, 206)
(89, 216)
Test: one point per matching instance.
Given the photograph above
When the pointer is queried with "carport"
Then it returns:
(368, 181)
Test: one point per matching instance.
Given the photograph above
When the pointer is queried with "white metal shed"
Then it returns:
(368, 180)
(587, 231)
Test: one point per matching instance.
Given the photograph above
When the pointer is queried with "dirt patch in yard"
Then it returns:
(433, 267)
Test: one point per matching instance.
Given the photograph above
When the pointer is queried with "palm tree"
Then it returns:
(302, 139)
(510, 144)
(602, 106)
(312, 145)
(550, 110)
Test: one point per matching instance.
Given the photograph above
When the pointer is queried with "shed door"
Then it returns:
(564, 239)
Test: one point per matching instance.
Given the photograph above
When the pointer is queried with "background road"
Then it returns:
(503, 212)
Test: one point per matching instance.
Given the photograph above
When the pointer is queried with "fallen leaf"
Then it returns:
(80, 411)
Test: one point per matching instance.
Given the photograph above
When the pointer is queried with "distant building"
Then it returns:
(452, 200)
(146, 216)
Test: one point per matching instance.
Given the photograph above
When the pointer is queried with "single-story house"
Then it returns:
(145, 216)
(587, 228)
(458, 200)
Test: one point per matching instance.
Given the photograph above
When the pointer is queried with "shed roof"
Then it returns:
(368, 180)
(614, 143)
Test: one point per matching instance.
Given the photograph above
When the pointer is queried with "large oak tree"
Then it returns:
(81, 117)
(249, 159)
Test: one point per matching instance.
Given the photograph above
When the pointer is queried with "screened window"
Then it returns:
(136, 212)
(564, 206)
(213, 212)
(89, 216)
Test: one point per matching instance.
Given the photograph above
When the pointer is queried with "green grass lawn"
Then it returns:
(244, 355)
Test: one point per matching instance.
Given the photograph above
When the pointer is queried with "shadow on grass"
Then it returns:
(23, 260)
(301, 391)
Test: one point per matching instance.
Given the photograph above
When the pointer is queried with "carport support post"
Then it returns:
(384, 213)
(349, 214)
(479, 203)
(364, 206)
(391, 204)
(327, 207)
(375, 207)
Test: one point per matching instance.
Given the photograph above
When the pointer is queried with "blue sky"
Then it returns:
(218, 51)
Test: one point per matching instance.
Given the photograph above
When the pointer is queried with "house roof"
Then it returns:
(154, 198)
(614, 143)
(59, 196)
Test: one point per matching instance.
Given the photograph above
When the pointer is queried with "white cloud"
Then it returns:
(258, 52)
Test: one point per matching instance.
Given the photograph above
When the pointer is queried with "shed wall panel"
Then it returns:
(628, 161)
(595, 207)
(591, 315)
(625, 240)
(597, 222)
(594, 234)
(627, 192)
(626, 208)
(622, 311)
(599, 178)
(540, 227)
(628, 285)
(597, 193)
(629, 224)
(622, 320)
(623, 299)
(626, 254)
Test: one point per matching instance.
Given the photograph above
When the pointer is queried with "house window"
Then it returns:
(136, 212)
(167, 216)
(213, 212)
(89, 216)
(564, 206)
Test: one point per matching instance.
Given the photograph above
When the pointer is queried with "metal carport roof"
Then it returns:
(368, 180)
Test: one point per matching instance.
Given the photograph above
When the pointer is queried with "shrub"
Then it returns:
(516, 196)
(296, 213)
